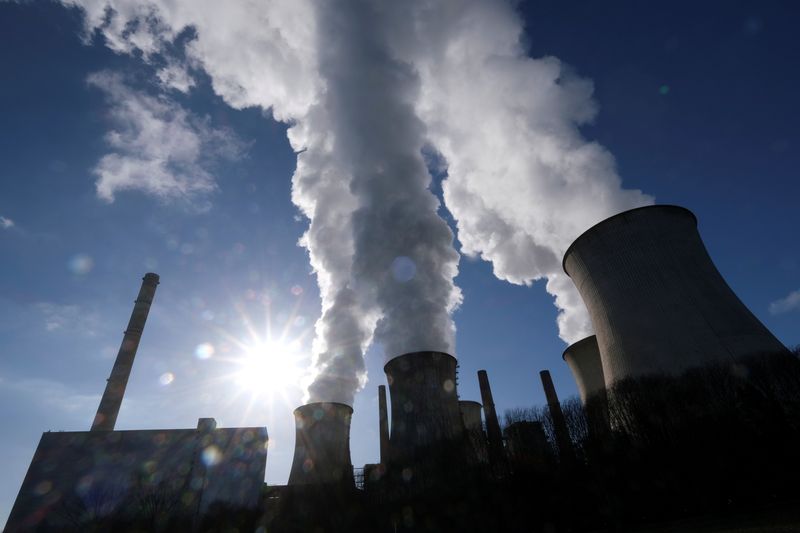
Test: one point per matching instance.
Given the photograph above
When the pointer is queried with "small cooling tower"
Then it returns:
(426, 419)
(583, 358)
(657, 302)
(471, 415)
(322, 445)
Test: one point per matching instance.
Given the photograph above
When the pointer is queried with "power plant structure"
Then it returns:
(121, 477)
(658, 306)
(583, 358)
(657, 303)
(322, 445)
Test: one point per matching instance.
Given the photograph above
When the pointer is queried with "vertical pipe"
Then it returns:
(565, 451)
(107, 411)
(383, 416)
(494, 436)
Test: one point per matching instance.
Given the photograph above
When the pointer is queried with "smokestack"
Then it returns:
(322, 445)
(108, 410)
(383, 422)
(565, 451)
(657, 302)
(426, 419)
(493, 434)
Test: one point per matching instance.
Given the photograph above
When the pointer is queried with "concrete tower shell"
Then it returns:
(471, 414)
(583, 358)
(322, 445)
(657, 302)
(473, 424)
(425, 411)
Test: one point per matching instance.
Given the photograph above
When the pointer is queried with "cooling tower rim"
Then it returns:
(309, 405)
(593, 229)
(394, 360)
(471, 402)
(577, 344)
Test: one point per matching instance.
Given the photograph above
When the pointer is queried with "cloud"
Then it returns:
(6, 223)
(159, 148)
(522, 182)
(790, 302)
(367, 88)
(68, 318)
(51, 394)
(175, 76)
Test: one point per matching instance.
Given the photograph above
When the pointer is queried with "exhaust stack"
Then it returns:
(494, 436)
(383, 421)
(565, 451)
(108, 410)
(322, 445)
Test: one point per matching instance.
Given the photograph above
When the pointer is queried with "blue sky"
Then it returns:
(697, 104)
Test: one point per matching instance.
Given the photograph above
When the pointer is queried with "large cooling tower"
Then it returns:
(583, 358)
(425, 413)
(322, 445)
(656, 300)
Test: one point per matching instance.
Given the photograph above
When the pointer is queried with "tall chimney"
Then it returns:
(107, 411)
(565, 451)
(383, 417)
(494, 436)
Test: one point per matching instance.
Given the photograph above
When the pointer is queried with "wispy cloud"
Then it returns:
(60, 317)
(788, 303)
(158, 147)
(6, 223)
(51, 394)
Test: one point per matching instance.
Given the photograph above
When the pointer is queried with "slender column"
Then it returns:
(494, 436)
(383, 416)
(565, 451)
(108, 410)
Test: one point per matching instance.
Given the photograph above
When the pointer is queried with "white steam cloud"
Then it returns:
(366, 85)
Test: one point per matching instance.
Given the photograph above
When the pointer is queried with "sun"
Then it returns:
(269, 366)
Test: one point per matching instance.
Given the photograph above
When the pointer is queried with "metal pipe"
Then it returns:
(383, 417)
(108, 410)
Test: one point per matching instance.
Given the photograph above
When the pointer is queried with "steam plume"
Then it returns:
(366, 85)
(522, 182)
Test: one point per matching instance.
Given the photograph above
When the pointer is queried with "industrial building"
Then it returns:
(657, 303)
(161, 477)
(658, 306)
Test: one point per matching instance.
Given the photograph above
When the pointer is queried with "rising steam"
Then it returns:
(366, 85)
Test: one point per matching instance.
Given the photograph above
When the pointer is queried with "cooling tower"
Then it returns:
(583, 358)
(426, 418)
(656, 300)
(322, 445)
(471, 415)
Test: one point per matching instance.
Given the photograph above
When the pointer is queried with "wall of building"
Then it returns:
(83, 474)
